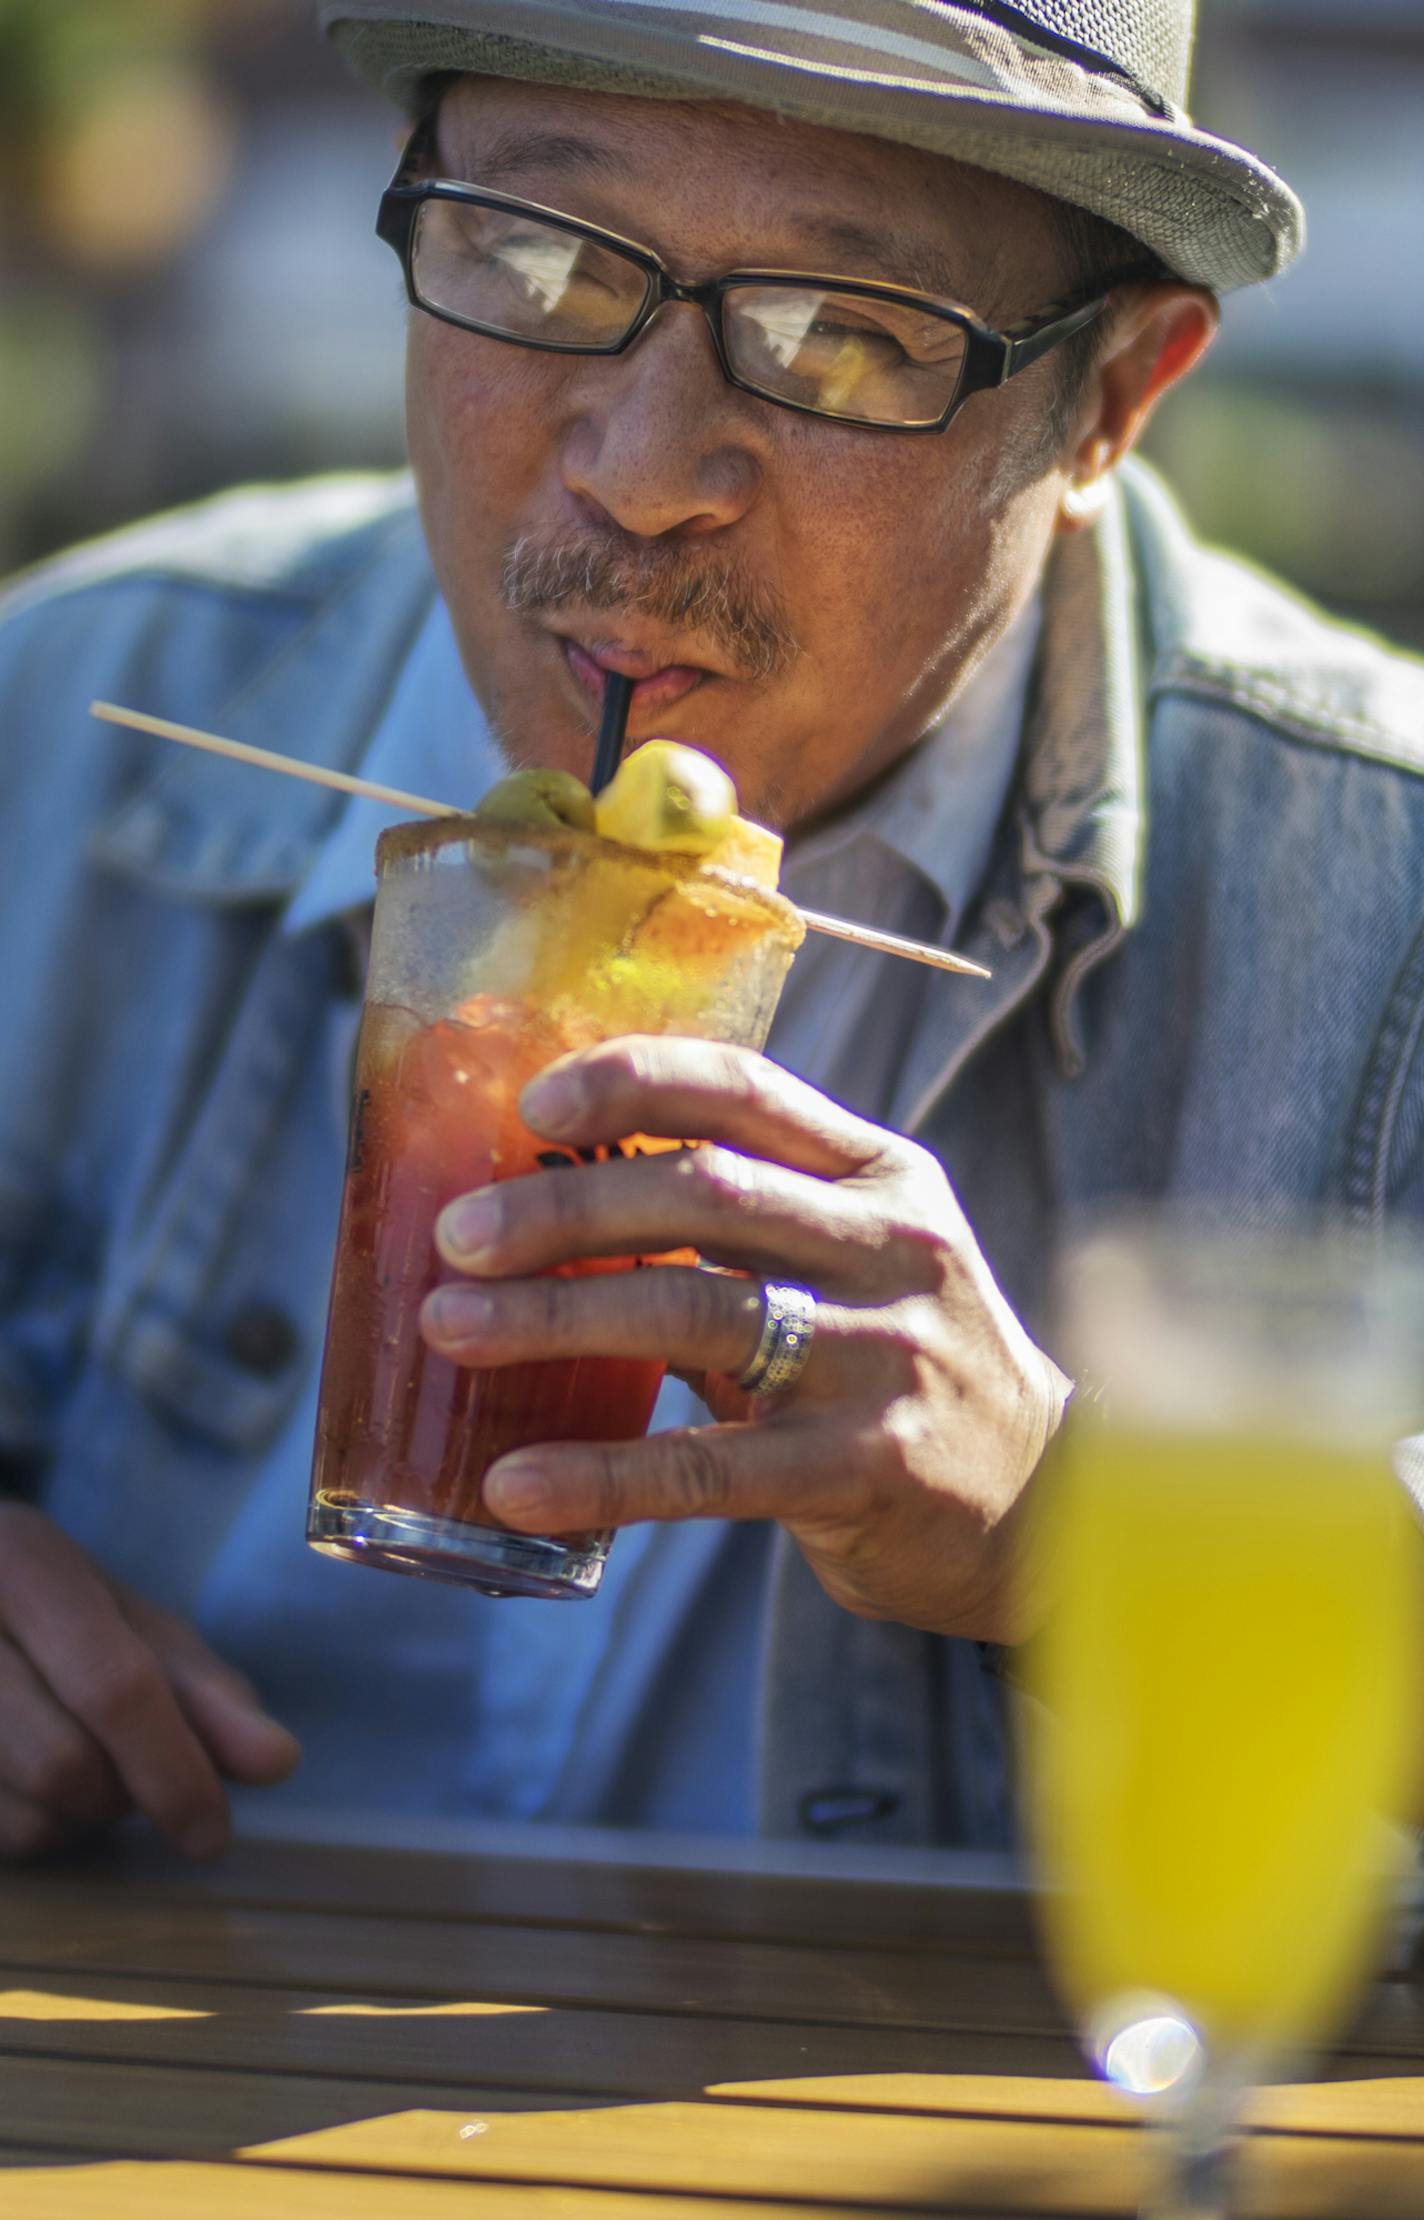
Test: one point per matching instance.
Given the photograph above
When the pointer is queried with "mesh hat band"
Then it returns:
(999, 11)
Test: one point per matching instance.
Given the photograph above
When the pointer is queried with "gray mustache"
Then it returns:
(745, 622)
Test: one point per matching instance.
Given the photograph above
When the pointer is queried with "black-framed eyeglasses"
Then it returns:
(882, 357)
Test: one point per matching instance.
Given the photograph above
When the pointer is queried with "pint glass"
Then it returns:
(494, 951)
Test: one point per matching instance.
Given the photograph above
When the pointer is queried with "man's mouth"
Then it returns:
(655, 685)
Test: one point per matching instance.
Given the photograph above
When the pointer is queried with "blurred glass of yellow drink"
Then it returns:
(1230, 1724)
(1221, 1748)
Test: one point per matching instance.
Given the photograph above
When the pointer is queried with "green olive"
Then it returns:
(538, 799)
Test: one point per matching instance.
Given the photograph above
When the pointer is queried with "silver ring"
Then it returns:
(788, 1327)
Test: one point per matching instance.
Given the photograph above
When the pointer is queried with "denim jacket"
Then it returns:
(1204, 916)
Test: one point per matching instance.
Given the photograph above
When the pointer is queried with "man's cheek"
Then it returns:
(476, 458)
(470, 402)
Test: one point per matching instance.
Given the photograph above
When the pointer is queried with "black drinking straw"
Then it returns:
(617, 694)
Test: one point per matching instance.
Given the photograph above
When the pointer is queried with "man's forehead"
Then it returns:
(611, 127)
(909, 215)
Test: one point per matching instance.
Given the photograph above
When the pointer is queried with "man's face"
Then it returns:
(846, 579)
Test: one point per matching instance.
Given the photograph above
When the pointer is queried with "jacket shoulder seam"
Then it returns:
(1254, 691)
(158, 579)
(105, 565)
(1394, 1054)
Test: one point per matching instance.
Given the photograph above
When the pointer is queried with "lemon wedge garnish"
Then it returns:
(664, 795)
(749, 851)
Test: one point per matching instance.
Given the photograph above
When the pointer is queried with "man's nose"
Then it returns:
(656, 437)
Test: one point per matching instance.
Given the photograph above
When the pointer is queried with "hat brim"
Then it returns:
(1212, 212)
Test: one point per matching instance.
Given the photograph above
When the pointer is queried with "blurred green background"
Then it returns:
(191, 294)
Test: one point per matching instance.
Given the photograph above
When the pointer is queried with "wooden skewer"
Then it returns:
(267, 759)
(420, 805)
(891, 944)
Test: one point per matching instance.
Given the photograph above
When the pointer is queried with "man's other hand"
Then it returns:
(108, 1704)
(899, 1457)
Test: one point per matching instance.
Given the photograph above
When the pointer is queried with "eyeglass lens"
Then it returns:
(518, 276)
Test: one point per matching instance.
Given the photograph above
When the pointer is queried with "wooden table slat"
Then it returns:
(673, 1975)
(35, 2184)
(530, 1965)
(633, 2055)
(764, 2154)
(147, 2021)
(893, 1915)
(256, 2049)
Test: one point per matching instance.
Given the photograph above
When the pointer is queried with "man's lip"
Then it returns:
(631, 657)
(656, 685)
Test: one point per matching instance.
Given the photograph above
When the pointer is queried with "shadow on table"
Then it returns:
(97, 2067)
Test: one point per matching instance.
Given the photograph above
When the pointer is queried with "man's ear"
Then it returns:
(1158, 334)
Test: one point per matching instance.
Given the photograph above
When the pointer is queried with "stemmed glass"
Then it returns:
(1219, 1745)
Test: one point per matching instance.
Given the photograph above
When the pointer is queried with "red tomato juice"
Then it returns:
(435, 1115)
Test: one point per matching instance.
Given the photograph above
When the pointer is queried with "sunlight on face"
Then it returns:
(894, 558)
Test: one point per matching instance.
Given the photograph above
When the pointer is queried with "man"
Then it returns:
(876, 553)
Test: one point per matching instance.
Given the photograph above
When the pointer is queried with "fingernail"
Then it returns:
(284, 1753)
(244, 1698)
(265, 1750)
(516, 1488)
(468, 1227)
(555, 1101)
(454, 1313)
(204, 1839)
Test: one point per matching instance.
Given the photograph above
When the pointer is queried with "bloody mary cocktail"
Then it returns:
(494, 951)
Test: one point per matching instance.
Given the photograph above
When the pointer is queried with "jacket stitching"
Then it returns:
(1386, 1078)
(1250, 690)
(171, 1271)
(44, 584)
(1390, 1119)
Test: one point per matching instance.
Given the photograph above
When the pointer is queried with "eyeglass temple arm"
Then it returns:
(395, 214)
(1026, 342)
(417, 149)
(1033, 340)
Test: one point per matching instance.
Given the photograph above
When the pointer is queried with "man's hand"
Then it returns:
(108, 1703)
(899, 1457)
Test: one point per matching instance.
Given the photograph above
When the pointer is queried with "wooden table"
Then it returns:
(336, 2033)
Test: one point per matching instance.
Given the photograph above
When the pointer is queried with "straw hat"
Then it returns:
(1082, 98)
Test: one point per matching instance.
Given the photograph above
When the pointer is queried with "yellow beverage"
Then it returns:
(1229, 1723)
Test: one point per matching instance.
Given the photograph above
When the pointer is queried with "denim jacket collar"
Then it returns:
(1064, 881)
(1083, 778)
(1083, 823)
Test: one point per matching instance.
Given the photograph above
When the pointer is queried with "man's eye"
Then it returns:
(856, 333)
(923, 345)
(801, 340)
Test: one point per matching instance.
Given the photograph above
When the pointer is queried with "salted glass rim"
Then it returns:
(405, 844)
